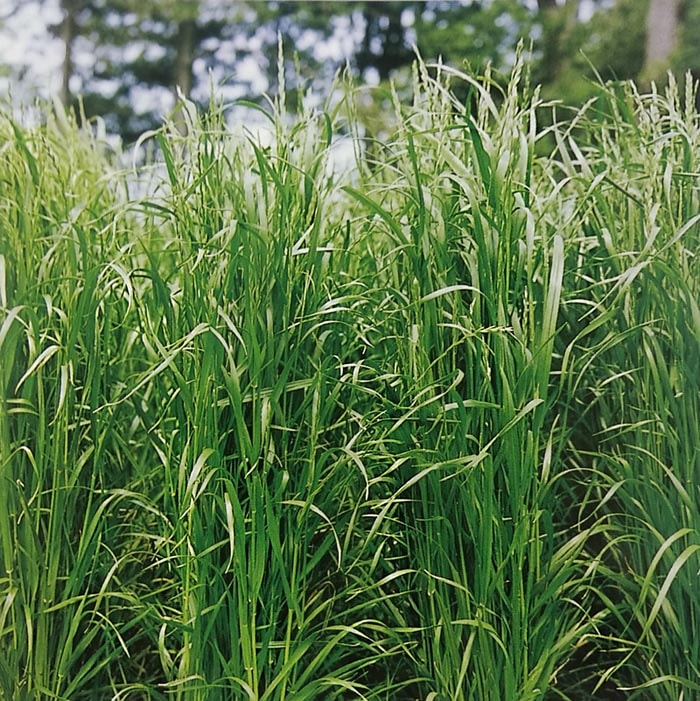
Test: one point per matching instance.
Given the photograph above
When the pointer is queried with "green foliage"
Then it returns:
(616, 40)
(425, 430)
(686, 58)
(473, 34)
(134, 48)
(609, 47)
(137, 56)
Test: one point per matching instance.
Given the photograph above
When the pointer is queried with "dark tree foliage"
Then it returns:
(687, 57)
(141, 49)
(136, 48)
(384, 45)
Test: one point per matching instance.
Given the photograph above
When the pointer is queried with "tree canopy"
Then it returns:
(124, 58)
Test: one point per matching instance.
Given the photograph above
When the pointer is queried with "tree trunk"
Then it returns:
(558, 20)
(662, 32)
(183, 68)
(383, 45)
(69, 32)
(185, 55)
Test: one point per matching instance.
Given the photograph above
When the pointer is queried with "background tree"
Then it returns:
(141, 52)
(125, 57)
(661, 36)
(555, 22)
(384, 46)
(473, 34)
(686, 56)
(69, 29)
(576, 53)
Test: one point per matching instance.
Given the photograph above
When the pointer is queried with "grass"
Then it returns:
(425, 432)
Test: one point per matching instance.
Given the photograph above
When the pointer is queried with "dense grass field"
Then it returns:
(429, 430)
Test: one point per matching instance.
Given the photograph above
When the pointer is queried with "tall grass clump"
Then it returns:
(67, 299)
(498, 590)
(631, 377)
(426, 430)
